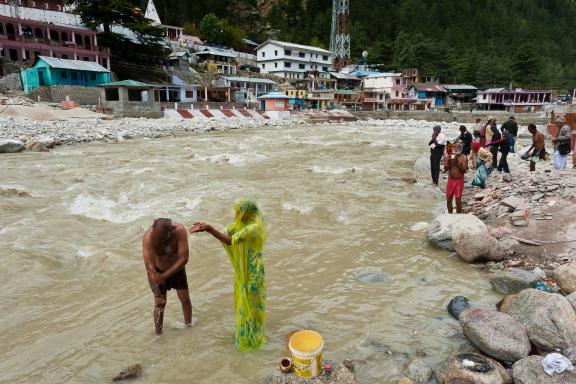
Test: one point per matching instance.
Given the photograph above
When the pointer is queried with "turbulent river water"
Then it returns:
(76, 306)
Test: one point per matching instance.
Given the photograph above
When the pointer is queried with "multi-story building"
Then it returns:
(378, 89)
(513, 100)
(292, 61)
(29, 29)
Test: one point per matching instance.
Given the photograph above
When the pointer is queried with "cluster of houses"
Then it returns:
(57, 50)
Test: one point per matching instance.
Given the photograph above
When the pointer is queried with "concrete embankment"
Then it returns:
(461, 117)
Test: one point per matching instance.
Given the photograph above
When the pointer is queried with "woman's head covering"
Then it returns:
(475, 146)
(246, 212)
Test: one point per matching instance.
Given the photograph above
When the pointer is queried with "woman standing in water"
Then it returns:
(243, 241)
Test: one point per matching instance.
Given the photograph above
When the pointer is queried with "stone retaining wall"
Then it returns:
(58, 93)
(463, 117)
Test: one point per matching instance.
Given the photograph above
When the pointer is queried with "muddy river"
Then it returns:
(76, 306)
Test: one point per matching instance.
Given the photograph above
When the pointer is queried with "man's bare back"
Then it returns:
(165, 253)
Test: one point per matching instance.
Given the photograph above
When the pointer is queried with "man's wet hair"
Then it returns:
(163, 223)
(531, 126)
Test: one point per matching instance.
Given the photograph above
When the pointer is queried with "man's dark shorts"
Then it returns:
(176, 281)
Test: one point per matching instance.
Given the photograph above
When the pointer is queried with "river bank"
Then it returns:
(521, 231)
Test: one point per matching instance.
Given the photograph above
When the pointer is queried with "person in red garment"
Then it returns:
(456, 165)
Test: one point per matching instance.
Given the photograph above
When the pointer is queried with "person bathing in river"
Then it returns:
(165, 252)
(243, 241)
(456, 165)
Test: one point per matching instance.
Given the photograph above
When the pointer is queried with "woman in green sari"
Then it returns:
(243, 241)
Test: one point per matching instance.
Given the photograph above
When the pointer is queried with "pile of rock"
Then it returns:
(24, 101)
(98, 130)
(524, 199)
(531, 322)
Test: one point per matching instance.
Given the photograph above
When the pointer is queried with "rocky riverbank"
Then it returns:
(522, 227)
(108, 131)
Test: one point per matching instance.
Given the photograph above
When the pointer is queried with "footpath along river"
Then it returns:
(76, 306)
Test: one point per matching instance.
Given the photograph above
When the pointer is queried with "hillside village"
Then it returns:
(50, 56)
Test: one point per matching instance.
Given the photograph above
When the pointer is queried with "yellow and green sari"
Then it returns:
(245, 252)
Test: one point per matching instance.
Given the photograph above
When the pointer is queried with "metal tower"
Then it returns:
(340, 36)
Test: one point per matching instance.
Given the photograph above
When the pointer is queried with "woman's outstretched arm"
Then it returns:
(204, 227)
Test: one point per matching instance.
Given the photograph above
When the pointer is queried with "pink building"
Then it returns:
(275, 104)
(45, 28)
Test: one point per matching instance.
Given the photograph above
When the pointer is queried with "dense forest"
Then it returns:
(486, 43)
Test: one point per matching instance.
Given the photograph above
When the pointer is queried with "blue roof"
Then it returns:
(363, 73)
(274, 95)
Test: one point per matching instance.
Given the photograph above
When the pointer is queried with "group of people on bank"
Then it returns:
(479, 151)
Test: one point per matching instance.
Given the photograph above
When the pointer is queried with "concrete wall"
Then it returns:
(462, 117)
(58, 93)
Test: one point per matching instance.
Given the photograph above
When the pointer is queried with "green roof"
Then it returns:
(128, 83)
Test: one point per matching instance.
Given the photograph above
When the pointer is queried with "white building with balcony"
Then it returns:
(292, 61)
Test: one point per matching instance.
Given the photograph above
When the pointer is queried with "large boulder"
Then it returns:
(422, 168)
(418, 372)
(549, 319)
(442, 228)
(513, 280)
(565, 276)
(473, 247)
(529, 371)
(472, 368)
(572, 300)
(496, 334)
(11, 146)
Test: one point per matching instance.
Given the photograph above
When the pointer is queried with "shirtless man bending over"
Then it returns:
(165, 252)
(456, 165)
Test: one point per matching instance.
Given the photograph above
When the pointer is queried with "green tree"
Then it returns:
(211, 28)
(109, 13)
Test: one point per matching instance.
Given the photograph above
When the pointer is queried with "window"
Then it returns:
(63, 75)
(288, 52)
(287, 65)
(397, 94)
(13, 55)
(275, 65)
(263, 66)
(112, 94)
(325, 58)
(26, 31)
(301, 54)
(134, 95)
(275, 53)
(301, 66)
(74, 75)
(325, 69)
(65, 56)
(38, 33)
(263, 54)
(93, 76)
(397, 81)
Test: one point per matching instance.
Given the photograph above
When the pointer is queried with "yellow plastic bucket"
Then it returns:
(306, 348)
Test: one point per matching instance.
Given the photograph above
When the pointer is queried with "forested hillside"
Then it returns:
(487, 43)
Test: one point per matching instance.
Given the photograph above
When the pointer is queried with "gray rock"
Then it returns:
(419, 372)
(496, 334)
(49, 142)
(509, 245)
(441, 229)
(513, 280)
(549, 319)
(11, 146)
(529, 371)
(572, 300)
(457, 305)
(371, 275)
(565, 276)
(422, 168)
(473, 247)
(513, 203)
(472, 368)
(507, 178)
